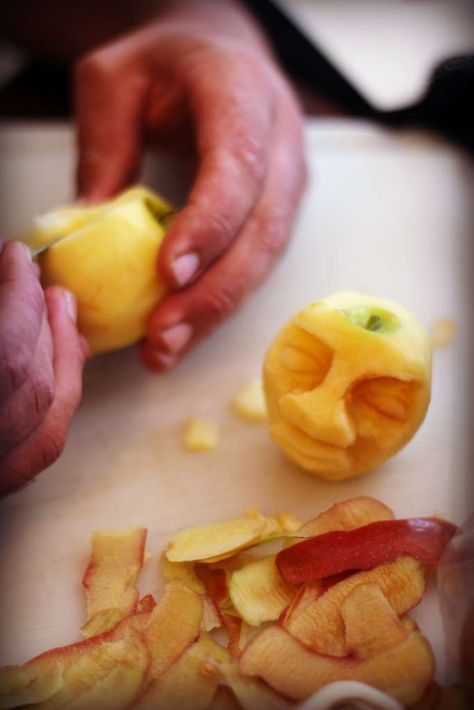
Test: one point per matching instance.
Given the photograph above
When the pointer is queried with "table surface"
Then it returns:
(383, 214)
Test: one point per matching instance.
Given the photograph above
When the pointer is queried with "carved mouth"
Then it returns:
(312, 454)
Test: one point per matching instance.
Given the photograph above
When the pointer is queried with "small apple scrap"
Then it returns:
(239, 626)
(249, 402)
(200, 434)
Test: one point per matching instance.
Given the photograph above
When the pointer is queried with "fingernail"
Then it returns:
(71, 305)
(26, 250)
(185, 267)
(176, 337)
(162, 360)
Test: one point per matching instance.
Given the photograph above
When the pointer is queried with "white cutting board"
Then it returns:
(382, 214)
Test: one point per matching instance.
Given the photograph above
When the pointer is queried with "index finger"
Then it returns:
(21, 314)
(233, 110)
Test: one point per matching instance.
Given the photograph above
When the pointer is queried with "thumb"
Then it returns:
(109, 104)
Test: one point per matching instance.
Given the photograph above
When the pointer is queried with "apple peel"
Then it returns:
(236, 633)
(216, 541)
(371, 624)
(211, 617)
(214, 581)
(251, 693)
(146, 604)
(365, 547)
(183, 571)
(403, 671)
(109, 675)
(104, 620)
(347, 515)
(29, 684)
(173, 626)
(190, 683)
(224, 699)
(320, 625)
(115, 563)
(258, 592)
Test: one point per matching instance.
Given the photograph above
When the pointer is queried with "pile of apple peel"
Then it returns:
(237, 627)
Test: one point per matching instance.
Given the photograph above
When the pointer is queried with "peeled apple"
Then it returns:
(347, 384)
(106, 255)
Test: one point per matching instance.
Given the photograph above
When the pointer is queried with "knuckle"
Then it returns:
(273, 230)
(221, 301)
(249, 154)
(245, 155)
(95, 67)
(219, 227)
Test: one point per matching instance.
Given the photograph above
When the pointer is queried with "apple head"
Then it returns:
(347, 384)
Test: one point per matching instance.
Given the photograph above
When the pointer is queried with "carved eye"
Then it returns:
(304, 360)
(379, 406)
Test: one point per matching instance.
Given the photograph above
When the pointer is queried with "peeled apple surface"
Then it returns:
(106, 255)
(347, 384)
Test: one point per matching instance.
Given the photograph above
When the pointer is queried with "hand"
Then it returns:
(200, 70)
(41, 363)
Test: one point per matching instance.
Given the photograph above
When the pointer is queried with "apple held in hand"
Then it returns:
(107, 256)
(347, 384)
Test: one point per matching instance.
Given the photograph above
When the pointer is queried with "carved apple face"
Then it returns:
(347, 383)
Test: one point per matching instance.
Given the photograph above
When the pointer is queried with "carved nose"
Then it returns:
(320, 415)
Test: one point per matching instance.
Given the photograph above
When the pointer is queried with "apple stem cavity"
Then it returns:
(375, 320)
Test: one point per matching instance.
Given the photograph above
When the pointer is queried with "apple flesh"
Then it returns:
(364, 548)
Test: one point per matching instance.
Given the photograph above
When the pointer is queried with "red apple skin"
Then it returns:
(364, 548)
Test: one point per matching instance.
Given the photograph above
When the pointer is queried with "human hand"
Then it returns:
(203, 71)
(41, 362)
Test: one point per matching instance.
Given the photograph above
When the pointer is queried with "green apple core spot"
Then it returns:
(373, 319)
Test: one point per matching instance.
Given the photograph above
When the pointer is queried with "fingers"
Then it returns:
(45, 443)
(233, 112)
(186, 316)
(21, 316)
(26, 408)
(110, 94)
